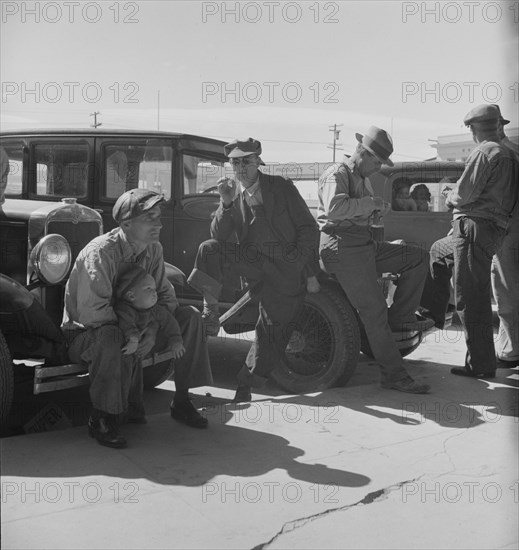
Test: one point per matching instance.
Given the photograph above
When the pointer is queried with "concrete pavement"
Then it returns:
(353, 467)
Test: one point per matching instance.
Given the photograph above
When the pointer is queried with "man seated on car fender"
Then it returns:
(277, 247)
(90, 322)
(345, 213)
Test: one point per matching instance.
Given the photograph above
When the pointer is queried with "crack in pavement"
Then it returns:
(374, 496)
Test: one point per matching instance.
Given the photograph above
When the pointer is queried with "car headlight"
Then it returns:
(52, 258)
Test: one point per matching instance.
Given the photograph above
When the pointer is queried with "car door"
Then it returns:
(201, 162)
(419, 221)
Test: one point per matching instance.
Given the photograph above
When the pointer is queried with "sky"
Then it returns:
(282, 72)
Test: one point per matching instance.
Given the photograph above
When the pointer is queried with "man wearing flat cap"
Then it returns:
(276, 252)
(482, 202)
(346, 211)
(90, 322)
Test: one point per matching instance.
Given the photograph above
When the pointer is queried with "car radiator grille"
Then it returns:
(78, 235)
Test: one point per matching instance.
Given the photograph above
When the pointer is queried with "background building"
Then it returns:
(459, 146)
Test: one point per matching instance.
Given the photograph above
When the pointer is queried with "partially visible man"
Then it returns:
(505, 276)
(347, 207)
(276, 252)
(482, 202)
(90, 322)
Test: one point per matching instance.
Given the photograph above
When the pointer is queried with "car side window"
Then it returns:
(11, 169)
(415, 195)
(145, 165)
(60, 169)
(201, 174)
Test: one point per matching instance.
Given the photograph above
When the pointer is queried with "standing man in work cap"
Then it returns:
(482, 202)
(276, 253)
(505, 276)
(346, 211)
(90, 322)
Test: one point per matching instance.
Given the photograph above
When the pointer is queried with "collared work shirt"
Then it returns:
(89, 294)
(252, 194)
(488, 186)
(345, 197)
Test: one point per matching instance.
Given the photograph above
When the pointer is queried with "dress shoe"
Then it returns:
(106, 433)
(407, 385)
(506, 364)
(243, 394)
(462, 371)
(184, 412)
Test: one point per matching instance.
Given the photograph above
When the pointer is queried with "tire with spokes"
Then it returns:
(324, 348)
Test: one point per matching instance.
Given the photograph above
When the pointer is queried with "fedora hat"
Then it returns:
(379, 143)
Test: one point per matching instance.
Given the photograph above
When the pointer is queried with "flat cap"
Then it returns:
(501, 118)
(482, 113)
(242, 148)
(134, 203)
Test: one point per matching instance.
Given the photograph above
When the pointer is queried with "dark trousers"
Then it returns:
(280, 298)
(437, 288)
(475, 241)
(356, 259)
(116, 379)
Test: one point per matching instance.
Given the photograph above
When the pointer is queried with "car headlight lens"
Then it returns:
(52, 258)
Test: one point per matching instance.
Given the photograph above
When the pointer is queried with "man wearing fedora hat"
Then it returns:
(346, 210)
(90, 322)
(482, 203)
(505, 278)
(276, 252)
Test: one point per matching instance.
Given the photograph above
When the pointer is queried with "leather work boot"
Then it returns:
(506, 363)
(243, 394)
(462, 371)
(184, 412)
(419, 324)
(106, 433)
(211, 319)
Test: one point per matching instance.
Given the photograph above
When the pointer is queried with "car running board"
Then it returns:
(73, 375)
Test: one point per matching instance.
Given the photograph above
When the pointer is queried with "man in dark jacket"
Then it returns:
(276, 251)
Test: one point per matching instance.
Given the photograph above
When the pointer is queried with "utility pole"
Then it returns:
(336, 133)
(96, 124)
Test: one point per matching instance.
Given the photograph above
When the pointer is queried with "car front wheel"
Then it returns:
(323, 350)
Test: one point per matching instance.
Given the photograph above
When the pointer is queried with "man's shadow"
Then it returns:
(169, 453)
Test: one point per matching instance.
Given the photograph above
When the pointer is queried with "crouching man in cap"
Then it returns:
(276, 252)
(482, 203)
(90, 321)
(346, 210)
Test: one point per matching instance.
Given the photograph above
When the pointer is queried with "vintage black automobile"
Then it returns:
(60, 187)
